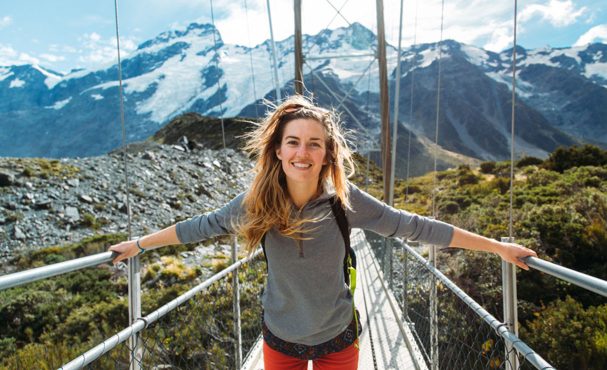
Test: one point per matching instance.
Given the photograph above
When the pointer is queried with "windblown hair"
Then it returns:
(267, 202)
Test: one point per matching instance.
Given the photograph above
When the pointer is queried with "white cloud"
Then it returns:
(52, 58)
(558, 13)
(10, 56)
(5, 21)
(96, 50)
(595, 34)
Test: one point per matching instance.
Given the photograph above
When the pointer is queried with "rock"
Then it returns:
(18, 234)
(86, 199)
(43, 204)
(72, 213)
(149, 156)
(73, 182)
(178, 147)
(217, 164)
(6, 179)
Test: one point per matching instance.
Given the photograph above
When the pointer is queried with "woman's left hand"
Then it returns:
(513, 253)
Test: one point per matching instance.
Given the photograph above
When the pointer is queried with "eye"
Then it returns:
(291, 142)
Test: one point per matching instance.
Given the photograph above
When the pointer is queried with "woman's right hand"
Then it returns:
(125, 250)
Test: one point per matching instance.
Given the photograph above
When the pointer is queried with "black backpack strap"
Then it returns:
(263, 246)
(342, 222)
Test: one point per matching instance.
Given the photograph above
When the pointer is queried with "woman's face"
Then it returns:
(303, 151)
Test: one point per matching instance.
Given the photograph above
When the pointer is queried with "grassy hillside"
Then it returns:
(559, 210)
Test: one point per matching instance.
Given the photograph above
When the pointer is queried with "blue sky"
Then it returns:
(66, 34)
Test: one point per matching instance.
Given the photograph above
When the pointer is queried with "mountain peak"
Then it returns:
(192, 30)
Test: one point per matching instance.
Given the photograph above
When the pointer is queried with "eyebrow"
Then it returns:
(311, 139)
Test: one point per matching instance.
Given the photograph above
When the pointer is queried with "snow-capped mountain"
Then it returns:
(561, 92)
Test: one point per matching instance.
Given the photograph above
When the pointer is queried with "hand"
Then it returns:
(513, 253)
(126, 249)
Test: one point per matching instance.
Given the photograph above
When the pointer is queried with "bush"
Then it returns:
(528, 161)
(569, 336)
(564, 158)
(487, 167)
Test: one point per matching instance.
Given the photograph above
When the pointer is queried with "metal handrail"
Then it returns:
(143, 322)
(591, 283)
(39, 273)
(522, 348)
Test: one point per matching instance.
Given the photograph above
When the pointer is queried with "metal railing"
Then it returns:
(582, 280)
(144, 322)
(433, 347)
(40, 273)
(410, 283)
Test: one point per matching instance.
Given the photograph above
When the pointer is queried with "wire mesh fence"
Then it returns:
(462, 338)
(201, 333)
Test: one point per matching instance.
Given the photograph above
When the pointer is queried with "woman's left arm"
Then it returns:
(509, 252)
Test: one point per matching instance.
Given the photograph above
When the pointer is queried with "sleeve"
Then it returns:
(371, 214)
(218, 222)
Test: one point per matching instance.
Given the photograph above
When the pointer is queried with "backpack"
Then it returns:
(349, 264)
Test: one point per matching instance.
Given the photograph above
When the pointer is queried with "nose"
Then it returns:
(302, 151)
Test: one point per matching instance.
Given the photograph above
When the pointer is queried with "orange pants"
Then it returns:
(346, 359)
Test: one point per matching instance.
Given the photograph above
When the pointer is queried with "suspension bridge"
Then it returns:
(407, 306)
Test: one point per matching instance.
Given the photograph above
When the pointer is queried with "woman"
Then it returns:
(301, 160)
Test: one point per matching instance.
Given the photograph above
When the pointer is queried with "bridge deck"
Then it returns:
(383, 344)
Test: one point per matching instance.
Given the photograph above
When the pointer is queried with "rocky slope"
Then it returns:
(49, 202)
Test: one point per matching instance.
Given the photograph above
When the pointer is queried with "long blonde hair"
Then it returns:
(267, 202)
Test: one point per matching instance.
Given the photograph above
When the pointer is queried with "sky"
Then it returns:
(66, 34)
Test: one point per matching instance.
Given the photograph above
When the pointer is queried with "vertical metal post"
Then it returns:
(134, 287)
(433, 313)
(384, 102)
(406, 285)
(236, 300)
(396, 107)
(274, 62)
(388, 253)
(510, 307)
(298, 82)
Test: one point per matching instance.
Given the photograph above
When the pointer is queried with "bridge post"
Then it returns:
(134, 290)
(388, 252)
(236, 301)
(433, 313)
(510, 307)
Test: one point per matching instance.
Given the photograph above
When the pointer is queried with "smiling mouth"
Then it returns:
(301, 165)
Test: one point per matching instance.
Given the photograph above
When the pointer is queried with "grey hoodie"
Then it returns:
(306, 300)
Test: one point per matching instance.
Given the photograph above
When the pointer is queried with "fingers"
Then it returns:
(124, 251)
(518, 253)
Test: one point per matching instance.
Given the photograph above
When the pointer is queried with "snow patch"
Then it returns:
(51, 80)
(475, 55)
(16, 83)
(96, 96)
(596, 69)
(60, 104)
(5, 73)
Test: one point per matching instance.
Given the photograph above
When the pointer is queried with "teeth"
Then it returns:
(302, 165)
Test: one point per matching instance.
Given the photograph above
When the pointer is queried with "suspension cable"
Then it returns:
(274, 62)
(223, 133)
(438, 87)
(122, 125)
(246, 9)
(396, 106)
(338, 12)
(411, 121)
(510, 230)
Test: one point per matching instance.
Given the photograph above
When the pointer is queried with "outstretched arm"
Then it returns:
(509, 252)
(128, 249)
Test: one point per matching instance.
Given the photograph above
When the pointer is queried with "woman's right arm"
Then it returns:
(128, 249)
(197, 228)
